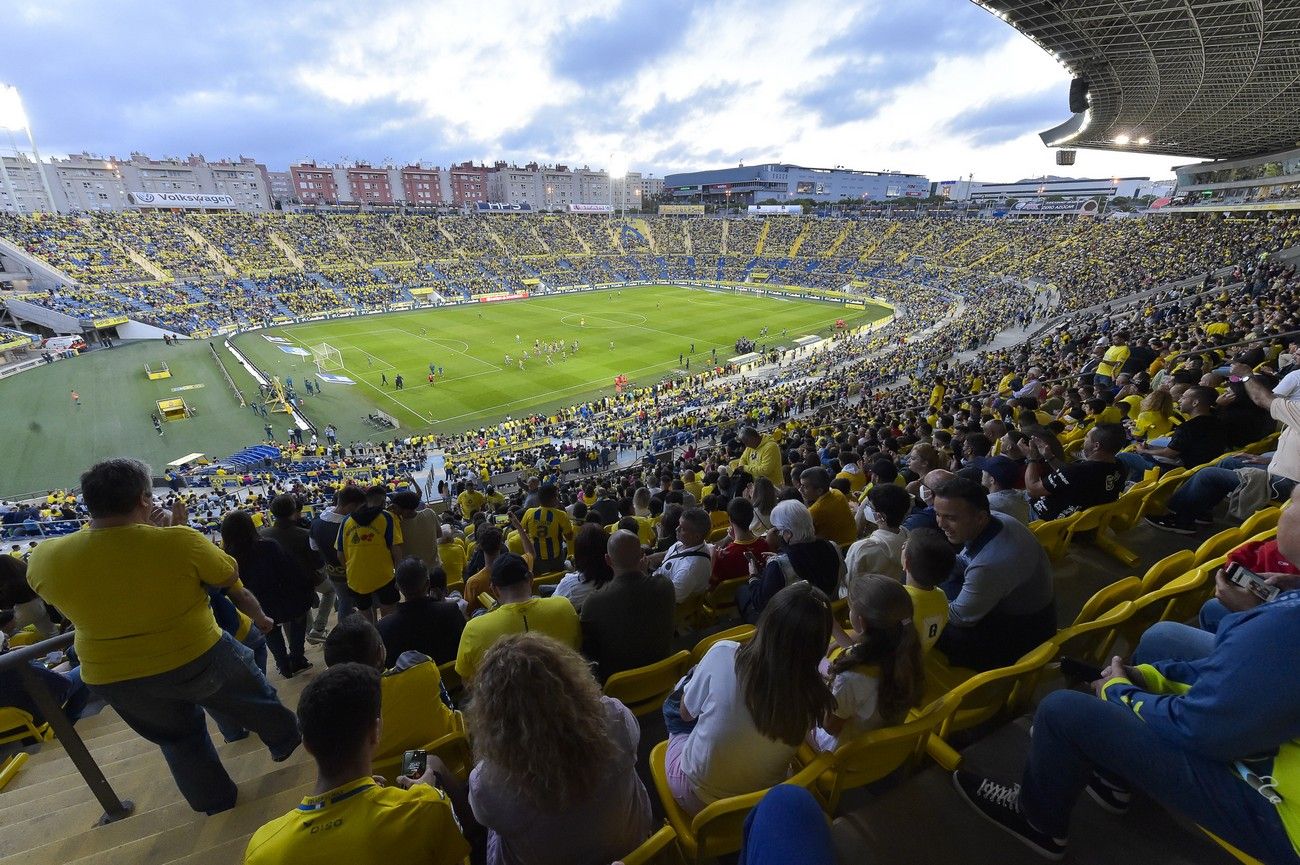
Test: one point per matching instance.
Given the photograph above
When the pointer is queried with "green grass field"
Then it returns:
(50, 441)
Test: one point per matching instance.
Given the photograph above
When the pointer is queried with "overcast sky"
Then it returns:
(937, 87)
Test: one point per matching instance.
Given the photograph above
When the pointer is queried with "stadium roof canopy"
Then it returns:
(1213, 79)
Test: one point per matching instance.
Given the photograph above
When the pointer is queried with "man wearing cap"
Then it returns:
(518, 612)
(999, 475)
(420, 526)
(1059, 489)
(761, 457)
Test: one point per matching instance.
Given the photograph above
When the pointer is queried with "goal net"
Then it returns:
(328, 358)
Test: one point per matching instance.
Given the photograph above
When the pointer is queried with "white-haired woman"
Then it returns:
(799, 556)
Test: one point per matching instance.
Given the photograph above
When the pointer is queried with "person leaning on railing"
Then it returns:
(145, 634)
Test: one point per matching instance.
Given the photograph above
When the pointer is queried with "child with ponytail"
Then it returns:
(878, 678)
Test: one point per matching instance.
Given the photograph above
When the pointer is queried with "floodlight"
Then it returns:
(12, 115)
(1143, 141)
(617, 165)
(1121, 140)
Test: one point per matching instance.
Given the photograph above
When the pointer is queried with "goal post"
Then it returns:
(327, 357)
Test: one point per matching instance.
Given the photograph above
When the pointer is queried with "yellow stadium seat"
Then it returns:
(1054, 535)
(840, 610)
(1218, 545)
(1261, 520)
(985, 697)
(717, 534)
(16, 725)
(1097, 519)
(718, 829)
(1090, 641)
(1168, 568)
(1264, 445)
(1158, 606)
(740, 634)
(551, 579)
(450, 678)
(661, 848)
(644, 689)
(873, 755)
(721, 599)
(25, 637)
(1128, 507)
(11, 766)
(452, 748)
(1245, 858)
(690, 614)
(1161, 490)
(1109, 597)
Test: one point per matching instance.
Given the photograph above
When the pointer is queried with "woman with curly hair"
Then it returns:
(556, 776)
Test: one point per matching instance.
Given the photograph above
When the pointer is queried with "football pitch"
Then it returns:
(644, 333)
(49, 440)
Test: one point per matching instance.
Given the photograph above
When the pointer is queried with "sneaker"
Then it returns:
(1169, 524)
(1000, 805)
(1111, 797)
(315, 637)
(297, 665)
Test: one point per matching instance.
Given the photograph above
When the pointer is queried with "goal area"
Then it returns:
(327, 357)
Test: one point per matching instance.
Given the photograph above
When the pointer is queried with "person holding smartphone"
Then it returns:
(1215, 739)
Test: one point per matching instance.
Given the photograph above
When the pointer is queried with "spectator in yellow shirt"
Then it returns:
(350, 816)
(1113, 360)
(761, 457)
(832, 516)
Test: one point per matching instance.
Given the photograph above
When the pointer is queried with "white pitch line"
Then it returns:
(361, 380)
(439, 344)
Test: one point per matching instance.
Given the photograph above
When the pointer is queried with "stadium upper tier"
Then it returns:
(195, 273)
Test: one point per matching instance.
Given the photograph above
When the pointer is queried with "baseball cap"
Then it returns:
(508, 570)
(1003, 471)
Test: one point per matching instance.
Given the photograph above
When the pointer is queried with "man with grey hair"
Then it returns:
(148, 642)
(761, 457)
(689, 561)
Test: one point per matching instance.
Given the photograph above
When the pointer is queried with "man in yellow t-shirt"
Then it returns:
(549, 529)
(517, 613)
(148, 642)
(469, 501)
(350, 817)
(761, 457)
(370, 545)
(1113, 360)
(832, 516)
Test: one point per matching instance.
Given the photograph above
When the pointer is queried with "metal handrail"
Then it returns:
(20, 659)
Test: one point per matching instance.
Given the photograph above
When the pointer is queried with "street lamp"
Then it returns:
(14, 117)
(617, 168)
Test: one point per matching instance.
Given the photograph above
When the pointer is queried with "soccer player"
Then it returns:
(76, 399)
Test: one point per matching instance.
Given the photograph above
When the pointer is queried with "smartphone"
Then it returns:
(414, 763)
(1248, 579)
(1078, 673)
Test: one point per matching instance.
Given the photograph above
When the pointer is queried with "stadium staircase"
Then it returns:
(762, 237)
(217, 256)
(287, 250)
(802, 236)
(147, 266)
(49, 814)
(866, 256)
(834, 247)
(345, 299)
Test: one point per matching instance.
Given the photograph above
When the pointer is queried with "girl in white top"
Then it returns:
(752, 705)
(591, 569)
(877, 678)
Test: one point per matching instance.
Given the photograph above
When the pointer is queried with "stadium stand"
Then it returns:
(1173, 305)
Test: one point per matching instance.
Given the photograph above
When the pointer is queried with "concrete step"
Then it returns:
(166, 833)
(144, 786)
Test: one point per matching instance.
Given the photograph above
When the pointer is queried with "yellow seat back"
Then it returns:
(644, 689)
(873, 755)
(1169, 568)
(1108, 598)
(741, 634)
(1090, 641)
(719, 828)
(1218, 545)
(1245, 858)
(551, 579)
(661, 848)
(721, 598)
(452, 748)
(987, 695)
(1054, 535)
(1128, 507)
(1161, 490)
(1260, 521)
(16, 725)
(1155, 606)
